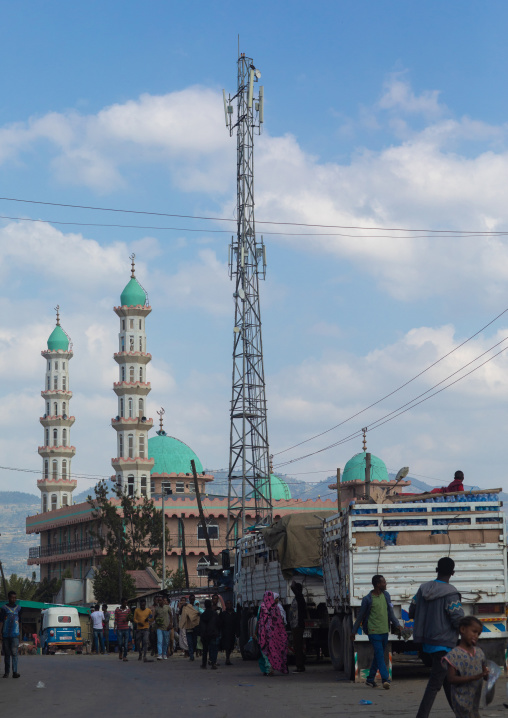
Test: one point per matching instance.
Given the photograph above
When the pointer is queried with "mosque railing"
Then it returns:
(57, 549)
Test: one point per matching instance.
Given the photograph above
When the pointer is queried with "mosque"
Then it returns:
(143, 467)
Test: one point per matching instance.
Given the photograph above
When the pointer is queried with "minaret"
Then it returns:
(132, 465)
(56, 485)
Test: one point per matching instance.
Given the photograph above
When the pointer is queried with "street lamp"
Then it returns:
(165, 491)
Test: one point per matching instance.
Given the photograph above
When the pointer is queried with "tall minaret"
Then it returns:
(132, 465)
(56, 485)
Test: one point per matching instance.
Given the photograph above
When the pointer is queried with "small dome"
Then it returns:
(133, 295)
(354, 470)
(58, 339)
(171, 455)
(280, 490)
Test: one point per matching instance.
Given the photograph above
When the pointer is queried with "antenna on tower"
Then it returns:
(57, 310)
(133, 270)
(161, 414)
(249, 462)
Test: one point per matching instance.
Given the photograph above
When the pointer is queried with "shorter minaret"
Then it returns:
(56, 485)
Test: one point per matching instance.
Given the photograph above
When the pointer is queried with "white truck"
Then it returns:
(403, 541)
(259, 568)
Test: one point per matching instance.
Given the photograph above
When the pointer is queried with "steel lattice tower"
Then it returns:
(249, 468)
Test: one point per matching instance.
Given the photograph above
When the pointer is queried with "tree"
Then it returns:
(24, 588)
(105, 582)
(175, 579)
(46, 589)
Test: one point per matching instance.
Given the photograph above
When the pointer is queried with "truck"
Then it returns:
(403, 541)
(269, 559)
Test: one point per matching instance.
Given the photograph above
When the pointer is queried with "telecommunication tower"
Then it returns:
(249, 472)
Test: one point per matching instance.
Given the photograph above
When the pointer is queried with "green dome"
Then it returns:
(171, 455)
(280, 490)
(354, 470)
(133, 294)
(58, 339)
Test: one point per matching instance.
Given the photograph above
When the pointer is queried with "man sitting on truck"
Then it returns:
(376, 616)
(437, 612)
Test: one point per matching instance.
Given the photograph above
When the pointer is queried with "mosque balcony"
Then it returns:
(63, 484)
(140, 310)
(135, 388)
(65, 452)
(136, 463)
(123, 423)
(56, 393)
(86, 546)
(130, 357)
(57, 354)
(59, 420)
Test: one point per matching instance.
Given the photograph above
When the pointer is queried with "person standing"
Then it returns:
(10, 614)
(142, 621)
(163, 625)
(105, 625)
(122, 628)
(467, 667)
(271, 636)
(228, 624)
(297, 614)
(209, 632)
(189, 621)
(437, 612)
(376, 616)
(98, 629)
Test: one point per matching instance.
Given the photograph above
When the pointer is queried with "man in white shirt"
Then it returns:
(98, 632)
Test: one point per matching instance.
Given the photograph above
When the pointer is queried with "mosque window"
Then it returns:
(142, 446)
(140, 344)
(140, 324)
(152, 487)
(55, 437)
(64, 383)
(119, 479)
(65, 500)
(64, 408)
(54, 470)
(140, 404)
(48, 383)
(44, 503)
(131, 374)
(122, 374)
(49, 366)
(63, 365)
(53, 502)
(121, 408)
(131, 323)
(180, 487)
(130, 485)
(47, 437)
(56, 366)
(140, 373)
(120, 445)
(64, 468)
(123, 324)
(64, 437)
(213, 531)
(47, 408)
(46, 469)
(131, 343)
(55, 382)
(143, 486)
(55, 409)
(122, 344)
(130, 408)
(130, 439)
(166, 487)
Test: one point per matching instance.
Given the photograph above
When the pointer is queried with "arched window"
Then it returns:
(64, 469)
(131, 374)
(122, 373)
(54, 470)
(119, 480)
(55, 437)
(130, 408)
(131, 323)
(49, 366)
(64, 437)
(141, 446)
(63, 365)
(203, 565)
(53, 502)
(141, 373)
(121, 407)
(130, 485)
(123, 323)
(55, 382)
(130, 439)
(140, 344)
(64, 407)
(122, 344)
(140, 405)
(47, 408)
(48, 383)
(55, 408)
(131, 343)
(56, 366)
(120, 445)
(46, 469)
(143, 486)
(64, 383)
(65, 500)
(44, 503)
(47, 437)
(140, 323)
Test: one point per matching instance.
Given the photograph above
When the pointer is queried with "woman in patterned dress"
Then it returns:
(466, 669)
(272, 637)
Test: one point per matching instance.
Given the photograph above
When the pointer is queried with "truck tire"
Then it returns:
(335, 643)
(349, 650)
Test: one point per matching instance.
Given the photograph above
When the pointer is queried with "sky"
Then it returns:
(380, 114)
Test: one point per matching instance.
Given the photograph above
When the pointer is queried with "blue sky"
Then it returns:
(387, 114)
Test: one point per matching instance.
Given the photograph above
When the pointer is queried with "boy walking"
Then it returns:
(9, 630)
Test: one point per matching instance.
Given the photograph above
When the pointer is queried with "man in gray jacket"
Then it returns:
(436, 610)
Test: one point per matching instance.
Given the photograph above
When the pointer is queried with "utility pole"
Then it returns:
(211, 557)
(184, 552)
(339, 504)
(249, 476)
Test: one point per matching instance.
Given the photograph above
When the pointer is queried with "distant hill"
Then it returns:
(15, 506)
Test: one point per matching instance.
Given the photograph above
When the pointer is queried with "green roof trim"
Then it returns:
(58, 339)
(354, 470)
(42, 606)
(133, 295)
(171, 455)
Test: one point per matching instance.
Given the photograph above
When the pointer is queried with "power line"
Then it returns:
(353, 416)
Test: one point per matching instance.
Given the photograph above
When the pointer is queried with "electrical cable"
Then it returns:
(305, 441)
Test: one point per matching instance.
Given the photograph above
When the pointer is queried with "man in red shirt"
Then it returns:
(122, 614)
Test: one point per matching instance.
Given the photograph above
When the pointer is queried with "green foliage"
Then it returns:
(175, 579)
(46, 589)
(106, 586)
(25, 588)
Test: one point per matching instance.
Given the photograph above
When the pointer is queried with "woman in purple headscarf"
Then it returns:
(272, 637)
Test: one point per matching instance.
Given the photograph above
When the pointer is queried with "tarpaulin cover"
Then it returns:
(297, 545)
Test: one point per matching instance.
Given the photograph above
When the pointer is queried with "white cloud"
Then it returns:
(398, 95)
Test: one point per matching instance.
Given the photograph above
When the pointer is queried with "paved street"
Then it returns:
(81, 686)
